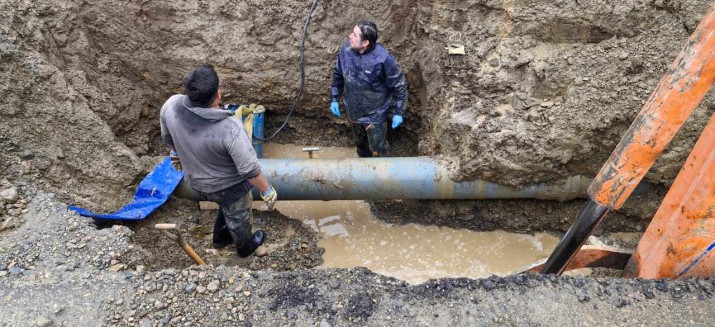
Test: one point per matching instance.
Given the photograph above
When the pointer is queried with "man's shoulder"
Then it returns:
(381, 49)
(173, 102)
(174, 99)
(234, 122)
(381, 53)
(231, 126)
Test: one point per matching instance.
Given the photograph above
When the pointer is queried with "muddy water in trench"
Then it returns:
(353, 237)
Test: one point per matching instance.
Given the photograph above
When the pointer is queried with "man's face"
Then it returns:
(356, 41)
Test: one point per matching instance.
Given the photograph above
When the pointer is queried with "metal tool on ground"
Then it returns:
(165, 228)
(310, 151)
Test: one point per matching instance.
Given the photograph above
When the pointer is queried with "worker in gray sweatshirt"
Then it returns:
(212, 148)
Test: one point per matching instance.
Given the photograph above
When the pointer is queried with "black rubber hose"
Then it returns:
(302, 75)
(590, 216)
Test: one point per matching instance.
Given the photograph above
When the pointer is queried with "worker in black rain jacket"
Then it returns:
(371, 84)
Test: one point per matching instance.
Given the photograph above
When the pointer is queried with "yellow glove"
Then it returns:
(270, 197)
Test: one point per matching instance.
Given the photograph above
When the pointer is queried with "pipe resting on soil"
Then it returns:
(388, 179)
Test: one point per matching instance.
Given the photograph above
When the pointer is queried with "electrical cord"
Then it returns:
(302, 75)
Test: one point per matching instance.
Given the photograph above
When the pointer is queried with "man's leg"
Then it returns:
(238, 217)
(233, 221)
(222, 236)
(377, 139)
(361, 141)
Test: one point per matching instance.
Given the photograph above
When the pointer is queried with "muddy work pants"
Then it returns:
(233, 222)
(371, 140)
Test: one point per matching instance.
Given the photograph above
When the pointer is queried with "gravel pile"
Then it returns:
(54, 238)
(57, 269)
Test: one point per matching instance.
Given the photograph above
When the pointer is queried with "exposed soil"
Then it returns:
(545, 90)
(520, 216)
(291, 245)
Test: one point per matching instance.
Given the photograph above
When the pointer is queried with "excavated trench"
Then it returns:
(410, 240)
(545, 90)
(344, 234)
(538, 96)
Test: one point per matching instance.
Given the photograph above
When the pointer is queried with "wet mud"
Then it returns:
(290, 244)
(545, 90)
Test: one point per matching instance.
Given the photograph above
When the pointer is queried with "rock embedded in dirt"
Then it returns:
(213, 286)
(44, 322)
(9, 195)
(191, 287)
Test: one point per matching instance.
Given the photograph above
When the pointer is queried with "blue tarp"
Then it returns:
(153, 192)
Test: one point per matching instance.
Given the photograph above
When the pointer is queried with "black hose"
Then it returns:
(302, 75)
(588, 219)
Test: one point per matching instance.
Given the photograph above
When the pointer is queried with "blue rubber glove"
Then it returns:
(335, 108)
(396, 121)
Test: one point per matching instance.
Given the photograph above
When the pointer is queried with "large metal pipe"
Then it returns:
(391, 178)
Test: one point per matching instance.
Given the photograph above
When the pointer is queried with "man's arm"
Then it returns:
(239, 147)
(338, 81)
(244, 157)
(268, 193)
(396, 83)
(260, 182)
(168, 140)
(165, 134)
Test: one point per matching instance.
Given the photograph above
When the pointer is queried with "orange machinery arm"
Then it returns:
(679, 92)
(680, 240)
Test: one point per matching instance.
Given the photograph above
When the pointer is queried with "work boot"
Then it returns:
(221, 238)
(257, 240)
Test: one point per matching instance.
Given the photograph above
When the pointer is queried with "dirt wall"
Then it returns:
(545, 88)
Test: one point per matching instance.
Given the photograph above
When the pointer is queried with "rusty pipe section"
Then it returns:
(677, 95)
(390, 178)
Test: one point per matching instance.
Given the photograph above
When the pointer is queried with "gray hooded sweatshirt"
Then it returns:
(214, 148)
